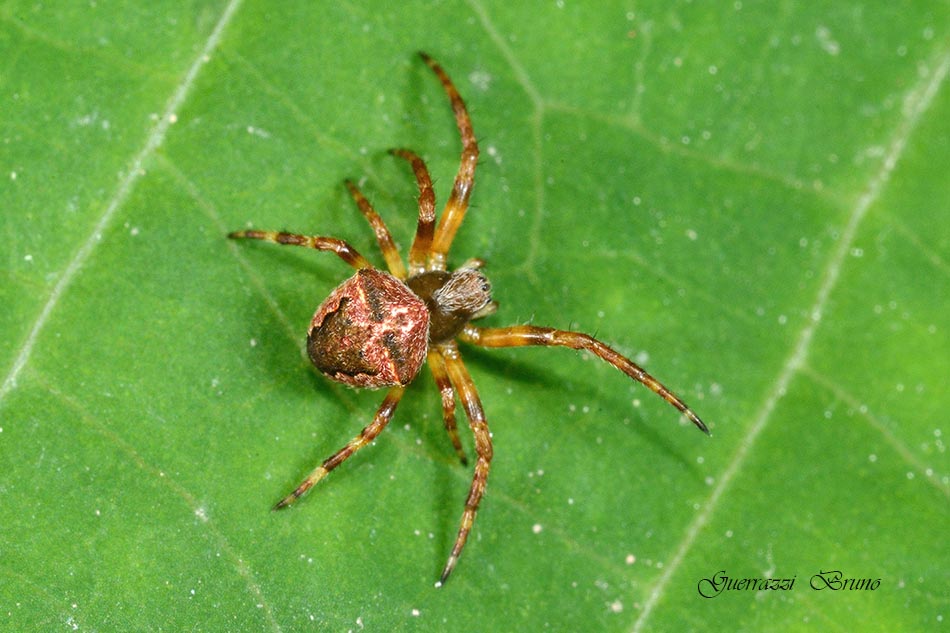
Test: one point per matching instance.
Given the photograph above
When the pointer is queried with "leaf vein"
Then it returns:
(839, 392)
(916, 102)
(127, 183)
(190, 501)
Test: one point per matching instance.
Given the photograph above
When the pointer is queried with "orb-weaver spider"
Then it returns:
(378, 328)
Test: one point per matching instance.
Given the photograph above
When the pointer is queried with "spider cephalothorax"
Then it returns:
(378, 328)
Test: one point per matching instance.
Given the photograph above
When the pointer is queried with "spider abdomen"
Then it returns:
(372, 331)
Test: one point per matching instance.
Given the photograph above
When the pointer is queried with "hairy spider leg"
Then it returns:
(472, 404)
(346, 252)
(522, 335)
(444, 385)
(457, 204)
(367, 435)
(425, 229)
(383, 237)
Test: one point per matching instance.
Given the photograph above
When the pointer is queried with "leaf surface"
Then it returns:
(745, 199)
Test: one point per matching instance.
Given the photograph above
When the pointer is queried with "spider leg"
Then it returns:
(462, 382)
(367, 435)
(457, 205)
(426, 226)
(521, 335)
(346, 252)
(437, 366)
(383, 237)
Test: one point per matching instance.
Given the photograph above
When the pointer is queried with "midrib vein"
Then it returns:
(916, 102)
(126, 184)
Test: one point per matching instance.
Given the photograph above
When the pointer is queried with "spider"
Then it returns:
(378, 328)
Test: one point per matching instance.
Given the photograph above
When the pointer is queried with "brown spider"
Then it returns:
(377, 329)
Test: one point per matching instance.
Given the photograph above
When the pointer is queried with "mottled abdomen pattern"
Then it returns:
(372, 331)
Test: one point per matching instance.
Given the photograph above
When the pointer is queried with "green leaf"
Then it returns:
(747, 198)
